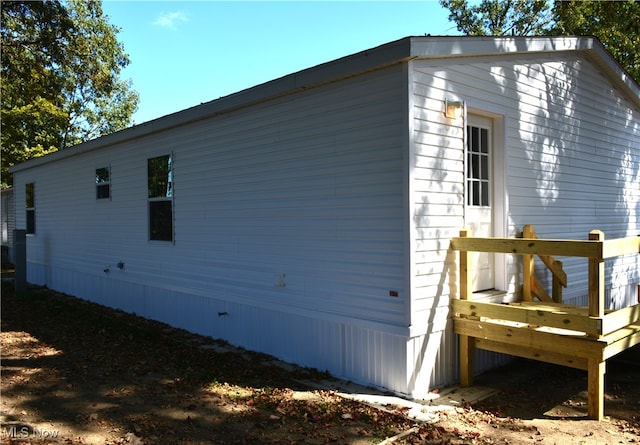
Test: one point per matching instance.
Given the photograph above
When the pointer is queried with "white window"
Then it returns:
(103, 183)
(160, 196)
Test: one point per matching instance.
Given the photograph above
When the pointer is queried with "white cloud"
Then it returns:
(170, 20)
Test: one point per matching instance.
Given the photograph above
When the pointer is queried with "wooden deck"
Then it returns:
(547, 330)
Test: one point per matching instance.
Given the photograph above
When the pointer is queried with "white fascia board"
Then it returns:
(452, 47)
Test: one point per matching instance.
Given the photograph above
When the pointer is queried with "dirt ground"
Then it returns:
(77, 373)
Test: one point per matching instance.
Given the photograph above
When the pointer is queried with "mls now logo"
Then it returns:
(26, 432)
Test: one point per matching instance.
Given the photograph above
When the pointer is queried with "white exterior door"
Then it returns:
(479, 195)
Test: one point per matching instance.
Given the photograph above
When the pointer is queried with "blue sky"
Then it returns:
(186, 53)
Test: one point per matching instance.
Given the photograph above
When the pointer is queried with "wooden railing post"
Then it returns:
(596, 368)
(596, 279)
(527, 266)
(556, 285)
(466, 277)
(466, 293)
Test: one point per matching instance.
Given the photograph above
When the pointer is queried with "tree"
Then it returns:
(499, 17)
(615, 24)
(60, 78)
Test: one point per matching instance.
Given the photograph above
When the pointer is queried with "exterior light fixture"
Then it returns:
(453, 109)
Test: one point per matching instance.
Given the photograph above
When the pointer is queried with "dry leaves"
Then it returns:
(102, 376)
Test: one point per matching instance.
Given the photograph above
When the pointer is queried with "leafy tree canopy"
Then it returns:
(61, 64)
(499, 17)
(614, 23)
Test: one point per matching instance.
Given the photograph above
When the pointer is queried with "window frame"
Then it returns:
(479, 172)
(30, 207)
(155, 200)
(102, 184)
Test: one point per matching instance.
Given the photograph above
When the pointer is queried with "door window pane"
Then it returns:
(478, 167)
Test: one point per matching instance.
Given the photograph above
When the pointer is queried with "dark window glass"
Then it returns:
(30, 195)
(160, 194)
(484, 167)
(160, 182)
(103, 191)
(484, 140)
(475, 141)
(160, 220)
(484, 195)
(30, 204)
(31, 221)
(103, 183)
(476, 193)
(103, 175)
(475, 168)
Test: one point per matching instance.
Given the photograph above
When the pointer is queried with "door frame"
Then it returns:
(498, 189)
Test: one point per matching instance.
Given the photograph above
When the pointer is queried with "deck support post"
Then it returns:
(466, 345)
(527, 266)
(595, 400)
(595, 367)
(486, 326)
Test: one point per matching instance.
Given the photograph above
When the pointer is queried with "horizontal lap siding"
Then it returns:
(290, 228)
(572, 143)
(573, 164)
(572, 149)
(438, 199)
(437, 214)
(295, 204)
(307, 193)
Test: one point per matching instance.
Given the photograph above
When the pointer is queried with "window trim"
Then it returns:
(101, 184)
(167, 197)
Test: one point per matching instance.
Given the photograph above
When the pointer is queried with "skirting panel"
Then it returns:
(434, 359)
(365, 356)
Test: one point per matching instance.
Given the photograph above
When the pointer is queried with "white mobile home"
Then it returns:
(310, 217)
(7, 213)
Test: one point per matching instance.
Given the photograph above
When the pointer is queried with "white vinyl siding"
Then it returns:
(308, 190)
(569, 141)
(568, 147)
(291, 209)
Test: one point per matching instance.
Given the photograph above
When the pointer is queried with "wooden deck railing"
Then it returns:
(531, 286)
(596, 249)
(547, 330)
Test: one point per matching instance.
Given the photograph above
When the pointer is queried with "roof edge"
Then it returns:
(402, 50)
(348, 66)
(474, 46)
